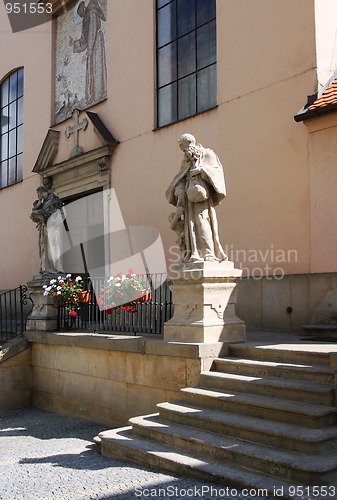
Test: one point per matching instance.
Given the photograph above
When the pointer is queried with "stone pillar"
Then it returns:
(204, 299)
(44, 313)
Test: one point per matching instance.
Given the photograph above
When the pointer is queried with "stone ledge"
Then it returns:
(142, 344)
(13, 347)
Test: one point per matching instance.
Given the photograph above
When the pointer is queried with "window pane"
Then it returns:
(206, 43)
(20, 82)
(12, 143)
(167, 31)
(187, 97)
(206, 10)
(12, 170)
(186, 55)
(3, 174)
(167, 105)
(160, 3)
(12, 115)
(13, 80)
(167, 64)
(186, 16)
(4, 120)
(19, 168)
(206, 88)
(4, 147)
(20, 111)
(20, 139)
(4, 93)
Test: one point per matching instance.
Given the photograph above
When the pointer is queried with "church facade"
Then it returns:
(96, 96)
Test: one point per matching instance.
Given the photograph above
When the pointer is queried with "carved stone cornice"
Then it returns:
(81, 173)
(87, 172)
(48, 151)
(97, 156)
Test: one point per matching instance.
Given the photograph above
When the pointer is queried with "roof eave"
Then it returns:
(314, 113)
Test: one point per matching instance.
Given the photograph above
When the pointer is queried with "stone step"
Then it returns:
(297, 390)
(282, 436)
(305, 469)
(254, 405)
(124, 445)
(284, 354)
(321, 330)
(310, 373)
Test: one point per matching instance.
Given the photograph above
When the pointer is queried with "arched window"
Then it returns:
(11, 143)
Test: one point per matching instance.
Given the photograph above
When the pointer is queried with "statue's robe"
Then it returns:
(211, 172)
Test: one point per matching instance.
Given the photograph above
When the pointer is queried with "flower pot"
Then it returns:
(84, 296)
(142, 295)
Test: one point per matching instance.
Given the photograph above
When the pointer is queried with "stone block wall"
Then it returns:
(110, 378)
(15, 375)
(286, 303)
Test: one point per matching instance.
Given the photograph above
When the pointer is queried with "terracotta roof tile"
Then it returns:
(328, 97)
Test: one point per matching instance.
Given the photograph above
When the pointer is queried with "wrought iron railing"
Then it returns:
(150, 318)
(14, 308)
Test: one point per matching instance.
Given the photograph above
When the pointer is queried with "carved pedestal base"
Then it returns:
(44, 313)
(204, 298)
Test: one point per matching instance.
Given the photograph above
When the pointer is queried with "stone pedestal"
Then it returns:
(204, 299)
(44, 313)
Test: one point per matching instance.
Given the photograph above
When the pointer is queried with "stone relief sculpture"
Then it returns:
(198, 187)
(46, 214)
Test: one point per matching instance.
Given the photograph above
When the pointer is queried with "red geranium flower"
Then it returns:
(73, 313)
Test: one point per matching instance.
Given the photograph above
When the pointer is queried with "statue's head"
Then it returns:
(185, 141)
(42, 192)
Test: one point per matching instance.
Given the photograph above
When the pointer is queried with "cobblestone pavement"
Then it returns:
(44, 456)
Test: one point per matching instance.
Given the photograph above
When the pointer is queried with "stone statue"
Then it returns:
(45, 214)
(197, 188)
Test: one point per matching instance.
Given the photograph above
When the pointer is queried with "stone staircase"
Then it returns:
(260, 418)
(323, 330)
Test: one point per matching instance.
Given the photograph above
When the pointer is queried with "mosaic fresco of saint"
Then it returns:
(81, 79)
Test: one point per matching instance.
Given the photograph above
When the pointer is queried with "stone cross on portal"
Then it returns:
(77, 150)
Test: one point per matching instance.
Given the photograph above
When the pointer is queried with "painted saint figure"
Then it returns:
(198, 187)
(92, 41)
(46, 214)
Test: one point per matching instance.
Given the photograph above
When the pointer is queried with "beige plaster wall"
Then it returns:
(323, 202)
(108, 379)
(31, 50)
